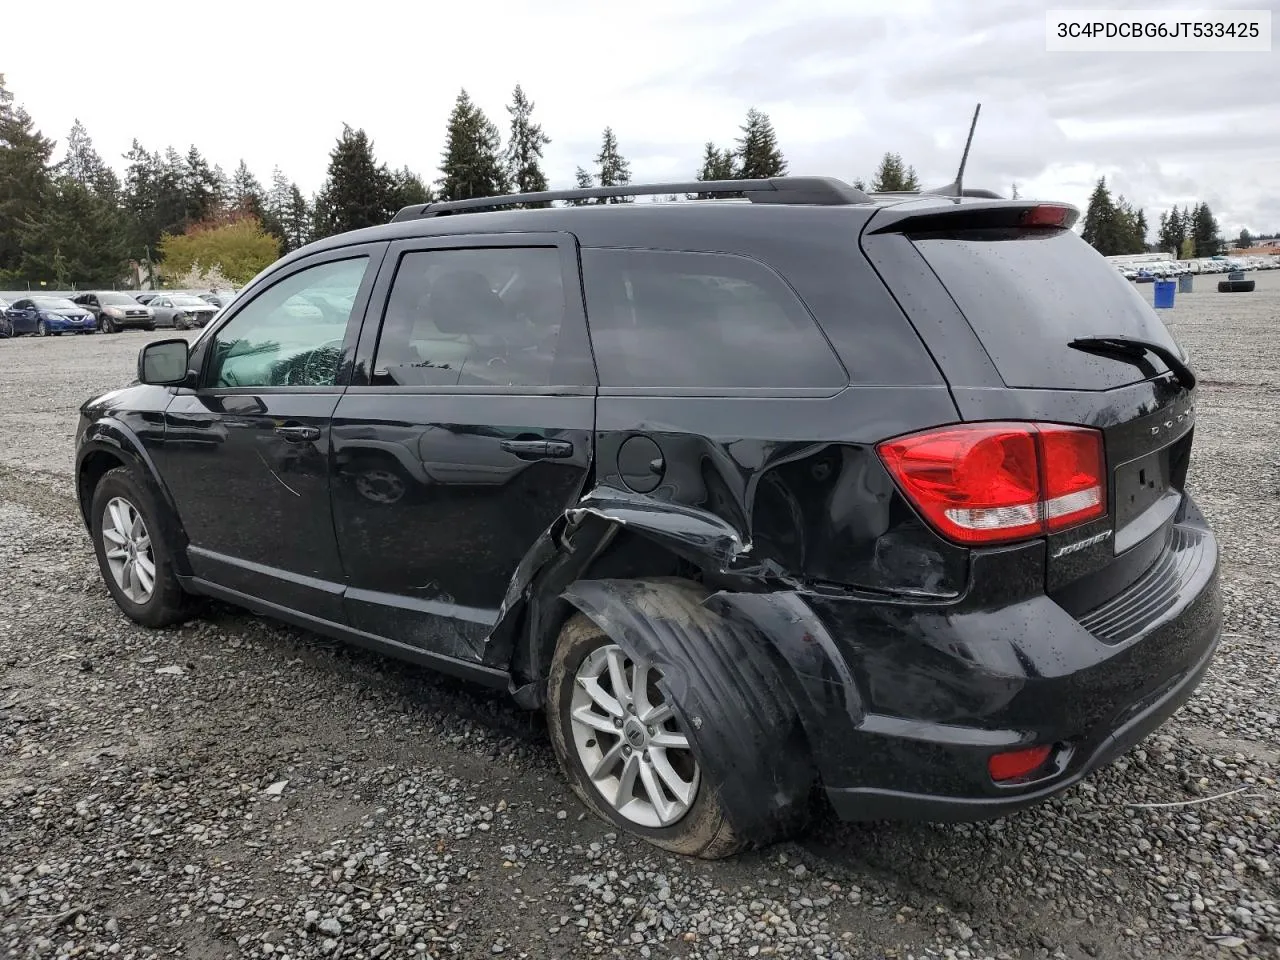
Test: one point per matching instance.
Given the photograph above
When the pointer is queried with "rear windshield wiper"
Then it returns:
(1137, 347)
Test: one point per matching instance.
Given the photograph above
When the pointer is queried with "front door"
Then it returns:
(246, 455)
(466, 431)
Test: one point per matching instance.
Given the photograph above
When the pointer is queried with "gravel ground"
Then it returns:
(236, 788)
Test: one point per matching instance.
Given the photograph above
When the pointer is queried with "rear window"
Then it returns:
(1028, 293)
(704, 320)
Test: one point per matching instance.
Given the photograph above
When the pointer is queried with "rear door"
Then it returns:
(466, 432)
(999, 306)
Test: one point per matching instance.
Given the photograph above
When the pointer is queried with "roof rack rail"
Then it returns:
(821, 191)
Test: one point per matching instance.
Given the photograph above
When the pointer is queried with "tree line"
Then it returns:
(77, 221)
(1114, 227)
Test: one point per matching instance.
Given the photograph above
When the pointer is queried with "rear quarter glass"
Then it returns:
(1027, 293)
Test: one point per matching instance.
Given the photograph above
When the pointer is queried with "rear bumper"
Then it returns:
(904, 704)
(870, 803)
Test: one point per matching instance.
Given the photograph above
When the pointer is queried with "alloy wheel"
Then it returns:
(628, 740)
(41, 329)
(129, 553)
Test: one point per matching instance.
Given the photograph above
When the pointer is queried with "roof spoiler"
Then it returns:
(980, 214)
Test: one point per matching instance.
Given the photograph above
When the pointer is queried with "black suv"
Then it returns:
(801, 486)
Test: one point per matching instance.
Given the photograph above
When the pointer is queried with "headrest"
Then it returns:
(462, 301)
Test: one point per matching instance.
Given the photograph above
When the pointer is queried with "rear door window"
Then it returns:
(1028, 293)
(700, 320)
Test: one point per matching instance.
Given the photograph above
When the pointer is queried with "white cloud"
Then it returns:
(843, 81)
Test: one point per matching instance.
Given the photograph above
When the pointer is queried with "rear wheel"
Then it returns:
(622, 747)
(131, 553)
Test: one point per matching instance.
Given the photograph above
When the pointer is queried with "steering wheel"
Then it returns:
(311, 369)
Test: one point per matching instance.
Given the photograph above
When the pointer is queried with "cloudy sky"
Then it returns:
(843, 80)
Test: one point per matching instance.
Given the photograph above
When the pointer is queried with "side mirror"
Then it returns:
(164, 363)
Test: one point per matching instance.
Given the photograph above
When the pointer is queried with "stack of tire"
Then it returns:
(1235, 283)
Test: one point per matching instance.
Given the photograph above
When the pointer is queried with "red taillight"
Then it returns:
(996, 482)
(1017, 763)
(1046, 215)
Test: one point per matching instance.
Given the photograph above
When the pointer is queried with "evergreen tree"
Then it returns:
(83, 164)
(408, 189)
(1204, 231)
(78, 238)
(1245, 240)
(612, 169)
(1129, 229)
(1172, 231)
(717, 164)
(246, 194)
(275, 206)
(893, 176)
(201, 189)
(1099, 218)
(297, 221)
(471, 165)
(583, 180)
(524, 147)
(758, 156)
(860, 184)
(24, 178)
(357, 192)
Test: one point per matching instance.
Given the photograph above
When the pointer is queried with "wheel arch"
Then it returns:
(108, 444)
(728, 687)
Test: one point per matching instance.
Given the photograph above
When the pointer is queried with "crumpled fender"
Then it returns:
(728, 687)
(690, 532)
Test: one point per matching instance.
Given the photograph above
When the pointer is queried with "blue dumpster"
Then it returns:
(1164, 292)
(1184, 283)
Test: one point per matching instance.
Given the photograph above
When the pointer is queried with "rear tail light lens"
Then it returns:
(1046, 215)
(998, 482)
(1017, 764)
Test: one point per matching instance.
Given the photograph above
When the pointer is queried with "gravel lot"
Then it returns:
(236, 788)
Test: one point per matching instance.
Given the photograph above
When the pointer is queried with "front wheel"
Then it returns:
(105, 324)
(41, 329)
(621, 746)
(180, 322)
(131, 552)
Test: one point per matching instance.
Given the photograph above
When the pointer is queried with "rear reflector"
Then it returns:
(998, 482)
(1017, 763)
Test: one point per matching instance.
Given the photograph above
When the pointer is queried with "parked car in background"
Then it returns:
(146, 296)
(217, 299)
(49, 316)
(115, 311)
(181, 310)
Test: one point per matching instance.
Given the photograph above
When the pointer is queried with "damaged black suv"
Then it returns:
(794, 491)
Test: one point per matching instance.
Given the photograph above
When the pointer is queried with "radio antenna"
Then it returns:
(965, 156)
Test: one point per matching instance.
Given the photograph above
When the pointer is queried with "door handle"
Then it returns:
(297, 433)
(538, 449)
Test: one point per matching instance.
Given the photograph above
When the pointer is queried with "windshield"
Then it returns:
(1028, 293)
(188, 302)
(117, 298)
(55, 303)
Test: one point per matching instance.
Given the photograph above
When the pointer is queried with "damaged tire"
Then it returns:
(623, 749)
